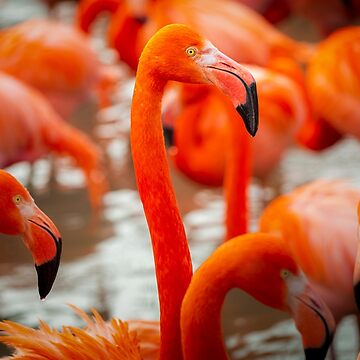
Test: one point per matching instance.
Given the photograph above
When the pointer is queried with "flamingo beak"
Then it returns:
(313, 319)
(44, 242)
(357, 267)
(236, 82)
(357, 279)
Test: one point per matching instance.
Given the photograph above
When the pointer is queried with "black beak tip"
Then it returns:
(47, 272)
(316, 353)
(250, 110)
(168, 136)
(250, 118)
(141, 19)
(357, 295)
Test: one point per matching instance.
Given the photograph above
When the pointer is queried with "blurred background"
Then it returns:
(107, 259)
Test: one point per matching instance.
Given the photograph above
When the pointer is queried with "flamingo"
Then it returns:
(332, 78)
(70, 71)
(233, 27)
(320, 225)
(189, 59)
(242, 262)
(20, 216)
(30, 129)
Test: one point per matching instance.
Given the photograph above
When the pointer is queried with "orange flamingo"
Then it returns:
(20, 216)
(70, 72)
(242, 262)
(190, 59)
(320, 225)
(236, 29)
(333, 82)
(30, 128)
(196, 61)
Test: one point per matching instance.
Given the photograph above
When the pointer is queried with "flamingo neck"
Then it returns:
(202, 336)
(170, 248)
(237, 176)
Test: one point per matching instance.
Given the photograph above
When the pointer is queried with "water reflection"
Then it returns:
(107, 259)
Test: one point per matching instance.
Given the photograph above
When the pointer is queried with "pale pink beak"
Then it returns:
(44, 242)
(314, 321)
(237, 83)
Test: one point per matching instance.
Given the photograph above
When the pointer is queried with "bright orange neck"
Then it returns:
(171, 253)
(201, 332)
(239, 263)
(237, 175)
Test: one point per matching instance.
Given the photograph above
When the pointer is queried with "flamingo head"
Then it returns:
(176, 52)
(273, 277)
(21, 216)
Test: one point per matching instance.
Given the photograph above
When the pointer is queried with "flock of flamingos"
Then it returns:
(228, 122)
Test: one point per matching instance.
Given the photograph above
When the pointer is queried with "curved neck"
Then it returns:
(170, 248)
(237, 175)
(202, 336)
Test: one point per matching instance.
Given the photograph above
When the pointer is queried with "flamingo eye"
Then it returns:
(191, 51)
(285, 273)
(17, 199)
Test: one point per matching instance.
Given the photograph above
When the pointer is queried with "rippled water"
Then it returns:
(107, 260)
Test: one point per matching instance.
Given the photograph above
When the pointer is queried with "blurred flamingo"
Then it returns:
(30, 129)
(20, 216)
(326, 15)
(189, 59)
(236, 29)
(334, 88)
(319, 222)
(57, 60)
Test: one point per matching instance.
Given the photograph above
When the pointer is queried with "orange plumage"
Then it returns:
(30, 129)
(333, 81)
(320, 224)
(56, 59)
(236, 29)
